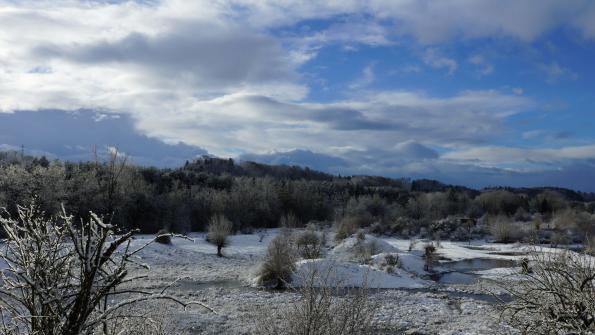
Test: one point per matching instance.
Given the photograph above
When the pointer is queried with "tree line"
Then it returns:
(252, 195)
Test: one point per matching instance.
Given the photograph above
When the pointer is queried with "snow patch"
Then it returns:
(344, 274)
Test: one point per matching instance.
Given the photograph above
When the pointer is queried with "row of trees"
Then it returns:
(250, 195)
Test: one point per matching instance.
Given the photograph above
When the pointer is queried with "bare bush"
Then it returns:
(262, 233)
(308, 244)
(289, 221)
(279, 262)
(65, 279)
(504, 231)
(430, 256)
(218, 232)
(364, 249)
(590, 245)
(390, 262)
(554, 296)
(323, 308)
(346, 227)
(412, 244)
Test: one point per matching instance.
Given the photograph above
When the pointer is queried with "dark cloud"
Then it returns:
(196, 52)
(72, 135)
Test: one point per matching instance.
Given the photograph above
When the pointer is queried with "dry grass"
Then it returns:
(322, 310)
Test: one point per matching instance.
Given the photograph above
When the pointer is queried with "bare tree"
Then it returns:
(108, 175)
(219, 231)
(62, 278)
(555, 295)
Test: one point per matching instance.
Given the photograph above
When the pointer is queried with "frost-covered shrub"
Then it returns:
(308, 244)
(504, 231)
(412, 244)
(289, 221)
(590, 245)
(377, 228)
(323, 308)
(389, 262)
(218, 232)
(262, 233)
(346, 227)
(61, 279)
(429, 256)
(555, 295)
(279, 262)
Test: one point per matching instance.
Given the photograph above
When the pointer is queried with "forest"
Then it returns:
(254, 196)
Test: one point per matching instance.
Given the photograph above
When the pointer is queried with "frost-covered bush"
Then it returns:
(62, 278)
(389, 262)
(279, 262)
(412, 244)
(308, 244)
(504, 231)
(345, 228)
(218, 232)
(429, 256)
(289, 221)
(554, 296)
(323, 308)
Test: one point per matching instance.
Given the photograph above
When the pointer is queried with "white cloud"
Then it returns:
(260, 124)
(366, 78)
(484, 67)
(499, 155)
(433, 21)
(433, 58)
(554, 72)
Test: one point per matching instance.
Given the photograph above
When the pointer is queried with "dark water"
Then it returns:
(194, 285)
(460, 272)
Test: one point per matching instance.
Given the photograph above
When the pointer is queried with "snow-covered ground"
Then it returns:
(410, 300)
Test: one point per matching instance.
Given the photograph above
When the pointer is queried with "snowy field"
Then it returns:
(451, 299)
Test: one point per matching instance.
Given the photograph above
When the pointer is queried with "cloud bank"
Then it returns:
(228, 76)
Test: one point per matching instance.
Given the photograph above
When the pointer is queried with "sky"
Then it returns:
(470, 92)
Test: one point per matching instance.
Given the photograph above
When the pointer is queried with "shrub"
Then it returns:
(279, 262)
(60, 279)
(289, 221)
(324, 308)
(363, 250)
(347, 227)
(262, 233)
(218, 232)
(412, 244)
(590, 245)
(163, 236)
(429, 255)
(308, 244)
(504, 231)
(555, 296)
(390, 262)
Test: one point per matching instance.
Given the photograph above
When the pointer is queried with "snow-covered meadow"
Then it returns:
(456, 296)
